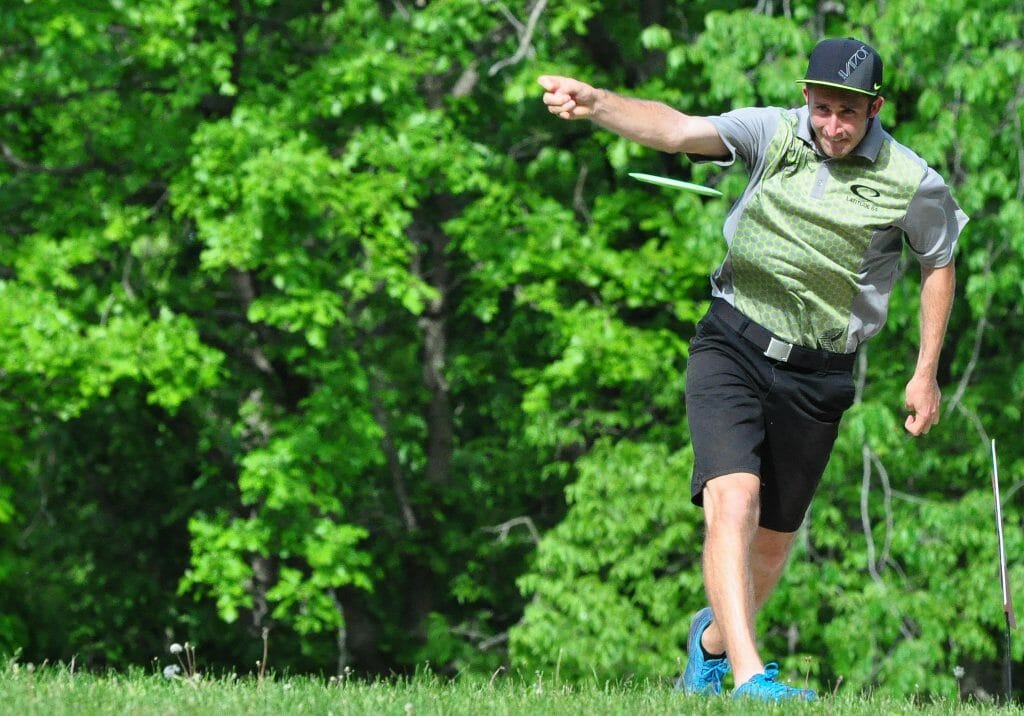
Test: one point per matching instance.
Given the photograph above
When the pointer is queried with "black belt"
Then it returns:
(778, 349)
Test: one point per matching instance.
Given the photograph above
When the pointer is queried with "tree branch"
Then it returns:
(578, 201)
(883, 476)
(767, 8)
(955, 402)
(380, 416)
(525, 38)
(504, 528)
(865, 517)
(23, 165)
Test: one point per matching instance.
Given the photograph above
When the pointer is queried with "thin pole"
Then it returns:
(1004, 580)
(1008, 661)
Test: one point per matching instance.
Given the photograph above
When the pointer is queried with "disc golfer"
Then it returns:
(812, 251)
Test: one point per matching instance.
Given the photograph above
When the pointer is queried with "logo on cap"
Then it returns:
(854, 62)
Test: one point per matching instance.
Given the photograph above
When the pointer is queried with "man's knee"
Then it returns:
(732, 500)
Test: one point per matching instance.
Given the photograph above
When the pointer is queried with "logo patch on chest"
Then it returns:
(864, 196)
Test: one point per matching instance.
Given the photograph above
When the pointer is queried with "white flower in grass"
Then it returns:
(171, 671)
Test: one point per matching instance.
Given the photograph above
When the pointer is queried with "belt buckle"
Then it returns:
(778, 350)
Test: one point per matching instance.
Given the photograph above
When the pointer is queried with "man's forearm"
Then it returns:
(653, 124)
(656, 125)
(937, 288)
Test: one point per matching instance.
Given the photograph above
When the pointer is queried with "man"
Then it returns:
(813, 246)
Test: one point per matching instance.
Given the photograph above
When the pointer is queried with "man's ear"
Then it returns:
(876, 106)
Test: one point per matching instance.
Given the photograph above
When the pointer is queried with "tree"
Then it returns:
(895, 548)
(318, 323)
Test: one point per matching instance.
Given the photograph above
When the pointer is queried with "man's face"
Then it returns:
(839, 117)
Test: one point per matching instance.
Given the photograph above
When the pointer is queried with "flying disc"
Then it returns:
(676, 184)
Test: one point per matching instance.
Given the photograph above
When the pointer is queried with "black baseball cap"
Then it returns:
(845, 63)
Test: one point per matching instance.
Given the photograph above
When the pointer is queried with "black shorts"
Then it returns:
(750, 413)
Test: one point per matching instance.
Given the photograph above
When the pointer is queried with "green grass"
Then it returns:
(56, 690)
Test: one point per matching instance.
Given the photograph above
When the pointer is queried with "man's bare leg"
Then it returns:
(769, 555)
(742, 566)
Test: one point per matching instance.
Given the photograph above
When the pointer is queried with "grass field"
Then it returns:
(57, 690)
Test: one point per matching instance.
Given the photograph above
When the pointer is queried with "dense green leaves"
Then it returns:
(617, 570)
(314, 321)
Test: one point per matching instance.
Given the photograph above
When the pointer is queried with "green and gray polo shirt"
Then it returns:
(814, 242)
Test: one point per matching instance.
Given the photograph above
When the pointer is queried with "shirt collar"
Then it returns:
(868, 148)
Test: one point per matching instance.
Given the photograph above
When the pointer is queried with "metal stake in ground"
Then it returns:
(1004, 580)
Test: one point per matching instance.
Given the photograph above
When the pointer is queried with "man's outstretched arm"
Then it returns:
(653, 124)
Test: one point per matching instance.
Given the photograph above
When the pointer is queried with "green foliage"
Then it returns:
(315, 321)
(610, 579)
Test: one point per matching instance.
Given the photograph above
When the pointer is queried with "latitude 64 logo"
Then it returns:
(853, 63)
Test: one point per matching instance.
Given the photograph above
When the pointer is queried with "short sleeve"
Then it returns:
(933, 222)
(745, 133)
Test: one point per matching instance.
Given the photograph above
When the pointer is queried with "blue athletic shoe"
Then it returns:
(764, 687)
(702, 676)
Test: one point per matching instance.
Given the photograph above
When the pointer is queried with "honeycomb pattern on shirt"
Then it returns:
(798, 248)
